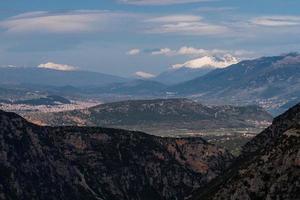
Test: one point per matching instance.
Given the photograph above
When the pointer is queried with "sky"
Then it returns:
(122, 37)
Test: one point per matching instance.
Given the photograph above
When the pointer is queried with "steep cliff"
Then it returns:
(269, 167)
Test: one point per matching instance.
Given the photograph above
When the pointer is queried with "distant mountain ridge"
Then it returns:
(162, 114)
(268, 80)
(246, 74)
(133, 87)
(179, 75)
(50, 77)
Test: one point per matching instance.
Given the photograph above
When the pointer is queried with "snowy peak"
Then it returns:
(195, 68)
(209, 62)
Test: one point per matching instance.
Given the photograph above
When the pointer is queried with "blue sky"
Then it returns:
(125, 36)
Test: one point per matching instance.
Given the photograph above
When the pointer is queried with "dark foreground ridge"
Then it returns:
(269, 167)
(98, 163)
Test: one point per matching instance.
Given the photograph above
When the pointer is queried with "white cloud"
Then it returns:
(184, 25)
(91, 21)
(55, 66)
(8, 66)
(189, 28)
(175, 18)
(159, 2)
(216, 9)
(163, 51)
(86, 21)
(133, 52)
(77, 21)
(276, 21)
(144, 75)
(192, 51)
(208, 62)
(181, 51)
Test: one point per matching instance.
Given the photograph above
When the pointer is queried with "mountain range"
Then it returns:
(51, 77)
(271, 82)
(159, 115)
(182, 74)
(194, 68)
(136, 88)
(99, 163)
(268, 81)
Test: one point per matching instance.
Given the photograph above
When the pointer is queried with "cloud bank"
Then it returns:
(59, 67)
(159, 2)
(194, 52)
(277, 21)
(76, 21)
(144, 75)
(184, 25)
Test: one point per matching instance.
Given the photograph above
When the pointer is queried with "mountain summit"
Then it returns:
(209, 62)
(195, 68)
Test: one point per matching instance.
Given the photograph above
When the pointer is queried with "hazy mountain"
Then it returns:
(6, 92)
(157, 115)
(134, 87)
(175, 76)
(270, 81)
(97, 163)
(269, 167)
(51, 77)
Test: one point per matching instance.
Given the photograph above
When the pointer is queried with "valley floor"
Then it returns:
(230, 138)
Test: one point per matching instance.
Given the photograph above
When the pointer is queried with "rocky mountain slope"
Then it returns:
(98, 163)
(150, 115)
(271, 82)
(269, 167)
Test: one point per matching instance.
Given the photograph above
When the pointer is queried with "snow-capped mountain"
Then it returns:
(195, 68)
(272, 82)
(209, 62)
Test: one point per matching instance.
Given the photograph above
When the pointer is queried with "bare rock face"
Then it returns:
(269, 167)
(98, 163)
(270, 135)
